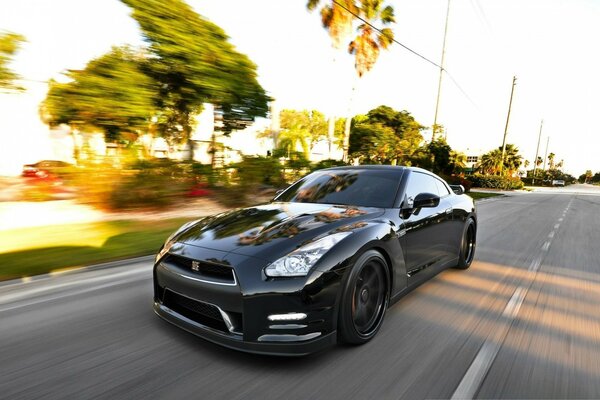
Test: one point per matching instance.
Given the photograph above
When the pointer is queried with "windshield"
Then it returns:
(367, 188)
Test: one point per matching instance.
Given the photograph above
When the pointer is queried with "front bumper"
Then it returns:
(236, 342)
(235, 313)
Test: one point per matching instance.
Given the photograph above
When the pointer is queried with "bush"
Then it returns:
(495, 182)
(459, 180)
(154, 184)
(253, 172)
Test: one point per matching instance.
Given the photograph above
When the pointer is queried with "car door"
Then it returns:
(423, 240)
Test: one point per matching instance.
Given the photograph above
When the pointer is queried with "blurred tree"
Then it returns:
(588, 176)
(194, 63)
(303, 128)
(551, 157)
(369, 41)
(539, 161)
(526, 163)
(9, 45)
(112, 93)
(337, 18)
(559, 164)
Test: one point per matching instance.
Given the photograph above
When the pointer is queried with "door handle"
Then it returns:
(448, 210)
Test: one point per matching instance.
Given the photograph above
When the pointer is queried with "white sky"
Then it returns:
(550, 45)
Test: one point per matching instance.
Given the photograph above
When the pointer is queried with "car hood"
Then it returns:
(272, 230)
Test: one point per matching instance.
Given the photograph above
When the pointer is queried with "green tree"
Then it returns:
(303, 128)
(9, 45)
(193, 63)
(373, 143)
(588, 176)
(491, 162)
(397, 134)
(111, 93)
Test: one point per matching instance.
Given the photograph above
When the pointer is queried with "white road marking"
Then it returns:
(21, 294)
(74, 293)
(535, 264)
(471, 381)
(487, 353)
(514, 304)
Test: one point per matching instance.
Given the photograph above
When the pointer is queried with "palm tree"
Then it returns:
(458, 160)
(512, 159)
(368, 43)
(539, 161)
(337, 17)
(491, 161)
(551, 160)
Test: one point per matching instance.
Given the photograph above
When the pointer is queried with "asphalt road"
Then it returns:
(522, 322)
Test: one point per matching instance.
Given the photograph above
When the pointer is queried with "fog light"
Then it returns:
(286, 317)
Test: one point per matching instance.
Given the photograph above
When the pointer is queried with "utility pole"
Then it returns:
(437, 101)
(512, 91)
(537, 151)
(546, 156)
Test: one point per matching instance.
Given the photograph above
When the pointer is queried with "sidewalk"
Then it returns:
(15, 215)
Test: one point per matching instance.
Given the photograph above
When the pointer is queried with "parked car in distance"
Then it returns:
(558, 182)
(45, 168)
(319, 264)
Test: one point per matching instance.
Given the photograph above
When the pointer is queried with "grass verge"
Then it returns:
(483, 195)
(33, 251)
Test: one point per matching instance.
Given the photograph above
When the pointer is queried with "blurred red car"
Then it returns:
(44, 169)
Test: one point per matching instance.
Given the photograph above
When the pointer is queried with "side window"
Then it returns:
(420, 183)
(442, 188)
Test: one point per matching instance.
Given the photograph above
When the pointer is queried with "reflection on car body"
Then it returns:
(319, 264)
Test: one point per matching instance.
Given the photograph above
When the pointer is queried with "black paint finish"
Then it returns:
(416, 244)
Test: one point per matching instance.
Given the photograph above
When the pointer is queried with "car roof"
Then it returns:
(381, 167)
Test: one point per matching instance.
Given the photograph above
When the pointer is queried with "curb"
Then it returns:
(76, 269)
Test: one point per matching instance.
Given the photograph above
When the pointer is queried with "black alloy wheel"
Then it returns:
(365, 299)
(467, 246)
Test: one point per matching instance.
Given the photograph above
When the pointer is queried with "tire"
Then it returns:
(364, 300)
(467, 245)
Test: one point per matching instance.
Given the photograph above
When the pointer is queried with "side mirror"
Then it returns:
(423, 200)
(458, 189)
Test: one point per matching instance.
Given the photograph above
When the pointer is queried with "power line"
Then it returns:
(412, 51)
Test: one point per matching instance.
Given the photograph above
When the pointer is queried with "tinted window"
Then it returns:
(442, 188)
(368, 188)
(420, 183)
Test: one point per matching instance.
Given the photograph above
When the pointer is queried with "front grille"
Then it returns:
(203, 313)
(209, 271)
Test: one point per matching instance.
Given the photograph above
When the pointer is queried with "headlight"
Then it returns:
(300, 261)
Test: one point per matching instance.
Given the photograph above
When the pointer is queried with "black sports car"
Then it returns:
(318, 264)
